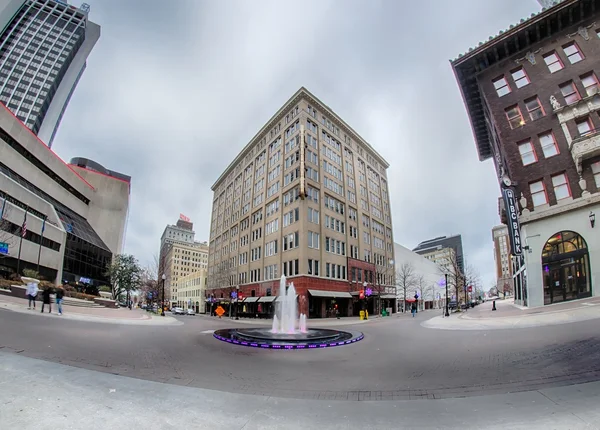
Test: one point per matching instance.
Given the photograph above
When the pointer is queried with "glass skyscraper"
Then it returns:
(44, 45)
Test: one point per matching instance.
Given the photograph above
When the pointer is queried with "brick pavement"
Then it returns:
(398, 359)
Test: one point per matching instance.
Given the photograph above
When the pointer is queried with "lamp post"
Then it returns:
(447, 313)
(592, 219)
(237, 301)
(162, 303)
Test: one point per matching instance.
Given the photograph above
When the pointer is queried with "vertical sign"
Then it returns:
(302, 165)
(512, 214)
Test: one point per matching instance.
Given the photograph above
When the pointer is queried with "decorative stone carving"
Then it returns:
(523, 202)
(555, 104)
(575, 112)
(530, 56)
(582, 184)
(583, 32)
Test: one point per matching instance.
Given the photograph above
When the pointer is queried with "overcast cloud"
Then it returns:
(175, 89)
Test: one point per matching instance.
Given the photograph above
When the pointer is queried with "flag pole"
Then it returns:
(23, 231)
(41, 240)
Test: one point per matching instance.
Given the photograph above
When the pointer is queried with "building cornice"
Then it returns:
(527, 217)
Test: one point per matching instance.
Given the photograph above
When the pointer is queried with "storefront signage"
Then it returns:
(512, 214)
(3, 248)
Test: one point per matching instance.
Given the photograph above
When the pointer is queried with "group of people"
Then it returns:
(32, 292)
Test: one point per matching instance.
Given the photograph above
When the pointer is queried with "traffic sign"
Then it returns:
(220, 311)
(470, 289)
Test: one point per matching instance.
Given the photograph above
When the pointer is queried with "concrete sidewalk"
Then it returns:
(510, 317)
(41, 395)
(100, 315)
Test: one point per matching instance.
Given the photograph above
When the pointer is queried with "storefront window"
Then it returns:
(565, 262)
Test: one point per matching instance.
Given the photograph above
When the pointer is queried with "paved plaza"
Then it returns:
(401, 375)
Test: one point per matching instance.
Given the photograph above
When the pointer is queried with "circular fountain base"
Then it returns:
(263, 338)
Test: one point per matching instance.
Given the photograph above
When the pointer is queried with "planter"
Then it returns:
(107, 303)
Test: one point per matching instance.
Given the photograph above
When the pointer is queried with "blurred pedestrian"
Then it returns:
(413, 309)
(32, 290)
(46, 299)
(60, 293)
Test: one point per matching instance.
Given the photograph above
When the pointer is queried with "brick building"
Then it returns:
(502, 258)
(531, 94)
(306, 198)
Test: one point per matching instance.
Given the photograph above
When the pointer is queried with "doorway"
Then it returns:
(566, 266)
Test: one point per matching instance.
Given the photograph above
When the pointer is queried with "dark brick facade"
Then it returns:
(548, 32)
(543, 85)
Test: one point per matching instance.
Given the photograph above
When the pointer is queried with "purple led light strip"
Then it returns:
(288, 347)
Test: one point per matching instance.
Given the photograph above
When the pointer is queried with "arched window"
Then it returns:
(566, 266)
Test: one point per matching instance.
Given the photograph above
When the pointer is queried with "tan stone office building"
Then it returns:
(307, 197)
(191, 291)
(503, 259)
(181, 260)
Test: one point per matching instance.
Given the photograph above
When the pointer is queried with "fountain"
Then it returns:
(289, 330)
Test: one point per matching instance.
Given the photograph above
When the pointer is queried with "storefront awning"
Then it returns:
(330, 294)
(250, 300)
(267, 299)
(280, 298)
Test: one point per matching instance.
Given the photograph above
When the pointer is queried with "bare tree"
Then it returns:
(456, 277)
(224, 278)
(405, 280)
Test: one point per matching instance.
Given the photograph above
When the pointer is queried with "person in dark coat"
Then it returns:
(46, 299)
(60, 293)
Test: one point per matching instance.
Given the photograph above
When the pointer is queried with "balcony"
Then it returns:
(586, 146)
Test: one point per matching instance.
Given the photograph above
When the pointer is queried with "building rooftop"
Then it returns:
(302, 93)
(522, 37)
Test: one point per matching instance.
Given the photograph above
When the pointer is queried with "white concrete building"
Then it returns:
(431, 290)
(85, 210)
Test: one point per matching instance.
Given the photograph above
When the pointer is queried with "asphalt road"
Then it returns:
(397, 360)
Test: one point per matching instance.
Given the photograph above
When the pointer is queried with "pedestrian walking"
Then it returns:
(413, 309)
(46, 299)
(60, 293)
(32, 290)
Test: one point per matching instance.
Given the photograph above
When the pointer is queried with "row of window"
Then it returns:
(553, 61)
(534, 108)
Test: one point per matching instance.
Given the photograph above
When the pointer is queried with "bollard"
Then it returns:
(494, 306)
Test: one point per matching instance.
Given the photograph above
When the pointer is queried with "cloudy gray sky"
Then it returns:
(174, 89)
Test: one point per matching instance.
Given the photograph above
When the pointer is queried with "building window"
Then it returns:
(538, 194)
(548, 143)
(527, 153)
(514, 116)
(561, 186)
(520, 77)
(313, 267)
(313, 240)
(584, 126)
(501, 86)
(596, 172)
(570, 93)
(553, 62)
(590, 83)
(573, 53)
(313, 215)
(534, 107)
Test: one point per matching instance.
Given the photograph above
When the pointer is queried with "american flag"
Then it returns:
(24, 227)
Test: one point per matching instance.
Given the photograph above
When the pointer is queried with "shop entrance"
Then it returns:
(566, 266)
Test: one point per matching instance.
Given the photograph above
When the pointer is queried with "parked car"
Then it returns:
(190, 311)
(452, 305)
(178, 311)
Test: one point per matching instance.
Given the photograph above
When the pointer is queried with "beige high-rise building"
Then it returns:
(504, 279)
(191, 291)
(182, 259)
(307, 198)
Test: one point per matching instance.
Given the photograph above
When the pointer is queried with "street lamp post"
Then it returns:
(237, 301)
(162, 303)
(447, 313)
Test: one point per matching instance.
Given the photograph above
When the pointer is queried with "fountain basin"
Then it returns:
(260, 337)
